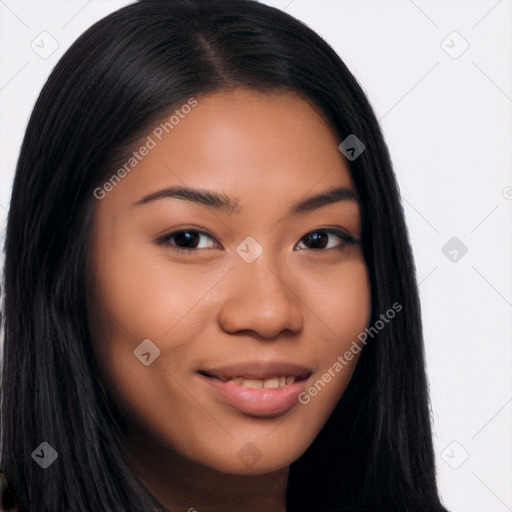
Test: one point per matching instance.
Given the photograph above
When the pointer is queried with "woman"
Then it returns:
(210, 294)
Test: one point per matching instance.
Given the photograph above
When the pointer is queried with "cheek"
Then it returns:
(342, 301)
(134, 298)
(141, 292)
(344, 305)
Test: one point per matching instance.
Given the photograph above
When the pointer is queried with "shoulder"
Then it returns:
(6, 496)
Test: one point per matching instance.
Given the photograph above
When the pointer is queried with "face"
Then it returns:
(228, 280)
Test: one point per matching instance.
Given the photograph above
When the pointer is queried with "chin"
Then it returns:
(248, 459)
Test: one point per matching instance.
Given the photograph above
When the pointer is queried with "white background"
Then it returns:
(448, 125)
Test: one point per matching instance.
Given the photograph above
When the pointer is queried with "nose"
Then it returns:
(257, 299)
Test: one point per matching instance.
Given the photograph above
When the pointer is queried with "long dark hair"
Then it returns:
(122, 75)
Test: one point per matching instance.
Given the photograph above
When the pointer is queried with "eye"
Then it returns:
(326, 239)
(189, 240)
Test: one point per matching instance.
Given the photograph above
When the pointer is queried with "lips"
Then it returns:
(258, 389)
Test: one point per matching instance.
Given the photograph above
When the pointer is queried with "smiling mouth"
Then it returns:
(263, 390)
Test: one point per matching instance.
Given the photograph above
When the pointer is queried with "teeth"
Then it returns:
(252, 383)
(270, 383)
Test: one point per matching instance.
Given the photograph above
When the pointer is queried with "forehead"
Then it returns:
(243, 141)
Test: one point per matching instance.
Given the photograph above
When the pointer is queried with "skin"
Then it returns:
(208, 307)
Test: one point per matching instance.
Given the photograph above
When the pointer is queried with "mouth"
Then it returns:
(258, 389)
(255, 375)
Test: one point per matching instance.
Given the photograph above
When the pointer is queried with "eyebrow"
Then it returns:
(221, 201)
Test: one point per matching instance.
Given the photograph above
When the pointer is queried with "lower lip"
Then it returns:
(258, 402)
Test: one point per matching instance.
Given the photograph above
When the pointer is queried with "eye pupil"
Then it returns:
(190, 238)
(319, 238)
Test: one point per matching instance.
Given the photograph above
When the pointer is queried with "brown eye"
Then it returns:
(189, 240)
(326, 239)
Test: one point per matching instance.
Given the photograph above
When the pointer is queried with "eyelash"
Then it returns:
(346, 240)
